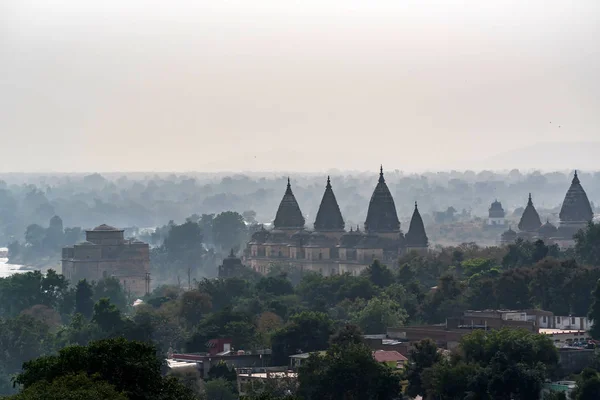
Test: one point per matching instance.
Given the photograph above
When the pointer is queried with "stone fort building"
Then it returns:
(575, 213)
(106, 253)
(329, 249)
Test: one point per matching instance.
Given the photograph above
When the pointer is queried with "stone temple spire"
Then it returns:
(381, 215)
(576, 206)
(416, 236)
(329, 216)
(576, 210)
(530, 220)
(288, 214)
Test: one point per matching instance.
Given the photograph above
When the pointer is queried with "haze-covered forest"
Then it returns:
(151, 200)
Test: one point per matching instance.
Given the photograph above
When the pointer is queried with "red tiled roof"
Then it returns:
(388, 355)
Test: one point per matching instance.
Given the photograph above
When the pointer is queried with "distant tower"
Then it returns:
(496, 214)
(289, 216)
(575, 212)
(530, 221)
(329, 217)
(416, 238)
(382, 218)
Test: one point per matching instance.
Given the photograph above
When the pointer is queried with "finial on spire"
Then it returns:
(289, 181)
(415, 204)
(381, 169)
(328, 182)
(575, 177)
(381, 179)
(529, 196)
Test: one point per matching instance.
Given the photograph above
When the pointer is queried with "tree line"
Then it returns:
(148, 200)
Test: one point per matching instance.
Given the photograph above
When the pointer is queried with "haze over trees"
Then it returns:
(139, 201)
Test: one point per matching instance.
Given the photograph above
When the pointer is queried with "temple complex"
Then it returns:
(329, 249)
(106, 253)
(575, 213)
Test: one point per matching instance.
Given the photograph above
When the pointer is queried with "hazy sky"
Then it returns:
(160, 85)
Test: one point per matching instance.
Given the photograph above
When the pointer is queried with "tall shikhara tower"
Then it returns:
(381, 215)
(576, 211)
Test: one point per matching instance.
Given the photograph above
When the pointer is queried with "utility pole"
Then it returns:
(148, 279)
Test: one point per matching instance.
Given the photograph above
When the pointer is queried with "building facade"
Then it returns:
(106, 253)
(575, 213)
(329, 249)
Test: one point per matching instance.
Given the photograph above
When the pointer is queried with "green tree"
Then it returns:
(22, 291)
(107, 316)
(219, 389)
(347, 373)
(193, 305)
(70, 387)
(130, 367)
(183, 245)
(588, 386)
(228, 230)
(305, 332)
(34, 236)
(424, 355)
(224, 292)
(274, 286)
(22, 339)
(594, 314)
(379, 314)
(587, 244)
(84, 304)
(111, 289)
(347, 335)
(519, 346)
(448, 381)
(379, 274)
(222, 371)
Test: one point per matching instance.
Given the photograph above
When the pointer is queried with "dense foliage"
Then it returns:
(40, 314)
(505, 364)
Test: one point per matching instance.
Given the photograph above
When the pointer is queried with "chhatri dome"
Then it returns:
(496, 210)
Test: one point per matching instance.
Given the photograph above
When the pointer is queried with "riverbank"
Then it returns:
(8, 269)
